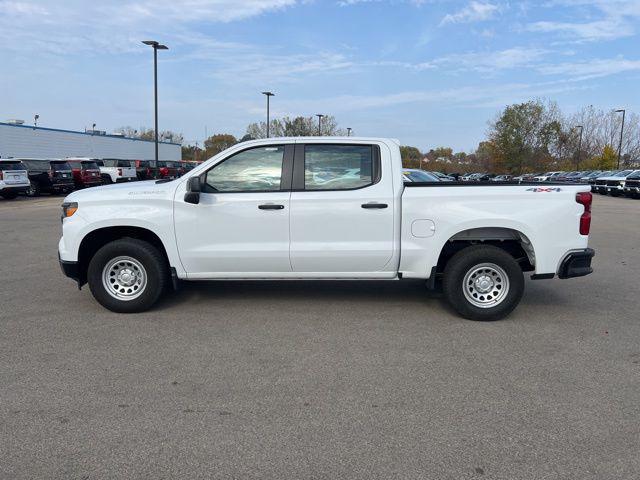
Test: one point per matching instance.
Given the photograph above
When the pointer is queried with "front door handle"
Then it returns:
(374, 205)
(270, 206)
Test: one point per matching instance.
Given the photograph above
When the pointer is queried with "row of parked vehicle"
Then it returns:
(33, 176)
(612, 182)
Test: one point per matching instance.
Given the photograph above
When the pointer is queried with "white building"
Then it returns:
(19, 140)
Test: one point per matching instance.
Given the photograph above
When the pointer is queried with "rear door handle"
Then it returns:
(270, 206)
(374, 205)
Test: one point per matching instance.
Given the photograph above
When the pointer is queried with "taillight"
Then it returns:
(585, 198)
(120, 172)
(1, 175)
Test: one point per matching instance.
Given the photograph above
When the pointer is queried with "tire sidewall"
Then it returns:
(144, 253)
(468, 258)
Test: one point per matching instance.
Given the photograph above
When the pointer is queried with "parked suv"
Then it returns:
(13, 178)
(146, 169)
(115, 170)
(48, 175)
(86, 173)
(168, 170)
(613, 183)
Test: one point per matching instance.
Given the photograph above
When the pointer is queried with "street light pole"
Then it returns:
(349, 131)
(156, 46)
(268, 94)
(621, 132)
(579, 146)
(319, 115)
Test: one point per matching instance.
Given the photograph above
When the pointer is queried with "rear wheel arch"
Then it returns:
(96, 239)
(513, 241)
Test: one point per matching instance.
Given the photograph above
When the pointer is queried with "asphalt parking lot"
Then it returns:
(318, 379)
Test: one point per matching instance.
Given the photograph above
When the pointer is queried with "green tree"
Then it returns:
(411, 157)
(217, 143)
(524, 133)
(609, 158)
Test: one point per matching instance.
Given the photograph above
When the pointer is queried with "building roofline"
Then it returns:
(33, 127)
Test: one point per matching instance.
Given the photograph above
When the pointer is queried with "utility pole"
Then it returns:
(319, 115)
(621, 132)
(156, 46)
(349, 131)
(579, 146)
(35, 120)
(268, 95)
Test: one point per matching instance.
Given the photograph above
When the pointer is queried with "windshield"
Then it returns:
(60, 166)
(417, 176)
(89, 166)
(5, 166)
(623, 173)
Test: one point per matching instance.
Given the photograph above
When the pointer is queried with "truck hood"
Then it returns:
(119, 191)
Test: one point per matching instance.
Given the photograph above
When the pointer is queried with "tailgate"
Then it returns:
(15, 177)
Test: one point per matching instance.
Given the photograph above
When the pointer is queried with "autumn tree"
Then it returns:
(525, 133)
(411, 157)
(217, 143)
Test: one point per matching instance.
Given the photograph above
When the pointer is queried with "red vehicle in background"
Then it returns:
(168, 170)
(86, 173)
(146, 169)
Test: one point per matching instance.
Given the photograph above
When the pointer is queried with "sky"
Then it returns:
(427, 72)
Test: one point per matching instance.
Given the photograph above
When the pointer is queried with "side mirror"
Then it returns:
(193, 191)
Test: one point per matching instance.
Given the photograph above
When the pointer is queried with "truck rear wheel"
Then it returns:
(483, 282)
(127, 275)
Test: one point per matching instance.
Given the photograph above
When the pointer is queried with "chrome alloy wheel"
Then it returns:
(124, 278)
(485, 285)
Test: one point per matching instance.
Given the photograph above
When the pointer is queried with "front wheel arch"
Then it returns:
(96, 239)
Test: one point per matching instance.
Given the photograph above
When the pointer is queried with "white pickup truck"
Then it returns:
(323, 208)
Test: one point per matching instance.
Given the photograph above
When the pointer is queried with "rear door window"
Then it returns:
(89, 166)
(60, 166)
(338, 167)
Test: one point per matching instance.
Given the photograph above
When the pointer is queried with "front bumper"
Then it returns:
(576, 264)
(71, 270)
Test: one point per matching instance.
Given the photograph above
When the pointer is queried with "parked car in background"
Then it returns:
(443, 177)
(146, 169)
(47, 175)
(114, 170)
(632, 185)
(415, 175)
(167, 170)
(188, 166)
(86, 173)
(502, 178)
(14, 178)
(613, 183)
(546, 177)
(593, 181)
(526, 177)
(471, 177)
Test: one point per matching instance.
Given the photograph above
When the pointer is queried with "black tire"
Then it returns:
(155, 267)
(469, 259)
(34, 189)
(9, 195)
(106, 180)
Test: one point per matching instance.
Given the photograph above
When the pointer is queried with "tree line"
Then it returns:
(532, 136)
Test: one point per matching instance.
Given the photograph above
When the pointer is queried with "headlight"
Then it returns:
(68, 209)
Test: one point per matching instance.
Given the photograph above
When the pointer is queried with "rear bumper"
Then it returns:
(14, 188)
(576, 264)
(126, 179)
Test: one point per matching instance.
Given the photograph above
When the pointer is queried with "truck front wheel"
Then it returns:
(127, 275)
(483, 282)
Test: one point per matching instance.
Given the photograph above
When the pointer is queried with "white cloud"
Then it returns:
(475, 11)
(615, 19)
(591, 69)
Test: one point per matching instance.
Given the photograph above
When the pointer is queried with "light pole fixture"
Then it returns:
(35, 120)
(579, 146)
(156, 46)
(621, 132)
(268, 94)
(349, 131)
(320, 116)
(93, 129)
